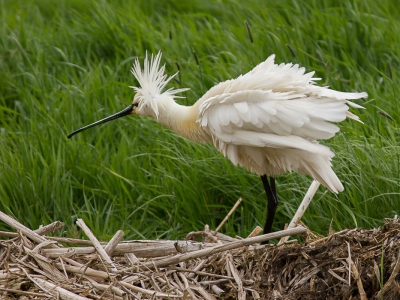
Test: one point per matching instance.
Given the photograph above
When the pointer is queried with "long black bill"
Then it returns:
(122, 113)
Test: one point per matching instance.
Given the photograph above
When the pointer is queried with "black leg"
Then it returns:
(272, 198)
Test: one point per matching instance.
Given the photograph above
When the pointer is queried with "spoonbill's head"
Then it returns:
(150, 99)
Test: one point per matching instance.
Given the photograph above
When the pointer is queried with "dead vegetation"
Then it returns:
(351, 264)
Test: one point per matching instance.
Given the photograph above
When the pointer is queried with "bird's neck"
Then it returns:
(182, 120)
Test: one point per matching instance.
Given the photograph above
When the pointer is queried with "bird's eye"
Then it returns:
(135, 104)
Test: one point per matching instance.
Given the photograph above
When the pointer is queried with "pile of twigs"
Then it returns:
(34, 265)
(351, 264)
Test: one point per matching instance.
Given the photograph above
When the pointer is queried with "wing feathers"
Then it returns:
(278, 113)
(240, 137)
(233, 114)
(277, 109)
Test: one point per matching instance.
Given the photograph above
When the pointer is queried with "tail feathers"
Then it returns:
(320, 169)
(353, 117)
(326, 92)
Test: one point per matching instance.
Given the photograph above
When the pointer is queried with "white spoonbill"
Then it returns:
(268, 120)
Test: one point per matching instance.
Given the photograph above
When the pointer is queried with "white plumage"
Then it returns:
(268, 120)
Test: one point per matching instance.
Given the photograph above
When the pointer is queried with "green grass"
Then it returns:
(65, 64)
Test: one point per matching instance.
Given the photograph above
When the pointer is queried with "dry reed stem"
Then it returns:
(186, 286)
(46, 265)
(146, 291)
(330, 271)
(53, 289)
(12, 273)
(115, 240)
(302, 208)
(25, 230)
(100, 250)
(198, 268)
(143, 249)
(104, 287)
(229, 214)
(82, 270)
(18, 292)
(356, 275)
(199, 272)
(217, 290)
(53, 227)
(235, 274)
(133, 260)
(203, 292)
(256, 231)
(220, 248)
(50, 228)
(223, 237)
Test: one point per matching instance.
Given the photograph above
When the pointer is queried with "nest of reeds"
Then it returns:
(350, 264)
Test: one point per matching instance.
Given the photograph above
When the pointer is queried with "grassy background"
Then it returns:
(65, 64)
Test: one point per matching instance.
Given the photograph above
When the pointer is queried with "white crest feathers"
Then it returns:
(152, 81)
